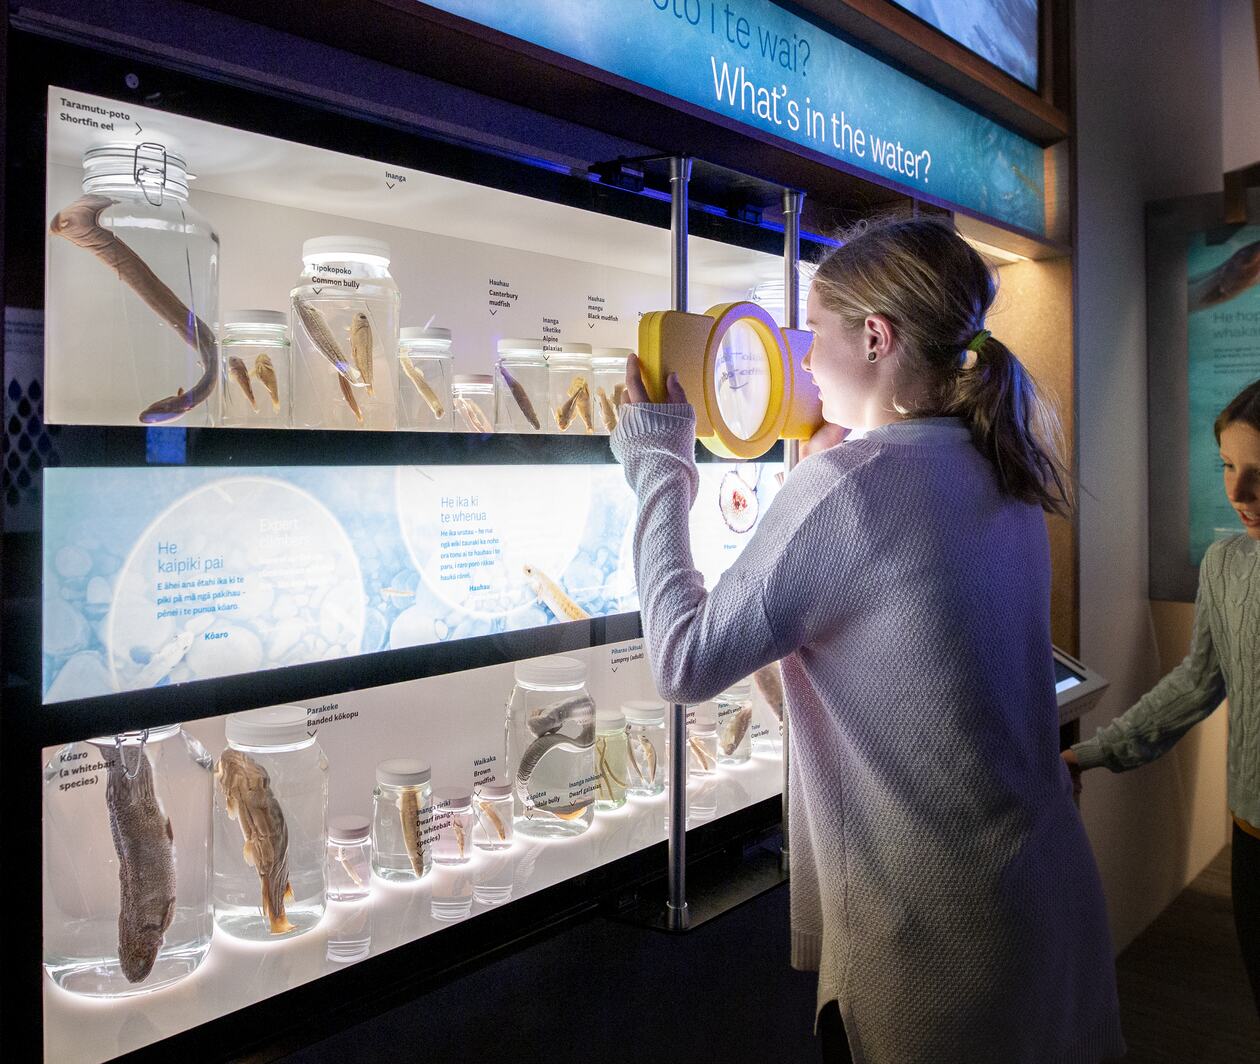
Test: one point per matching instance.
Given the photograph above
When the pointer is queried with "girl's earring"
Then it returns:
(871, 356)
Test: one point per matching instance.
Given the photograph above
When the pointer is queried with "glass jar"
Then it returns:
(572, 398)
(424, 380)
(492, 807)
(402, 814)
(767, 727)
(452, 895)
(645, 747)
(343, 318)
(520, 386)
(551, 747)
(452, 827)
(608, 368)
(255, 370)
(701, 748)
(610, 760)
(126, 862)
(133, 295)
(734, 723)
(473, 400)
(270, 826)
(349, 857)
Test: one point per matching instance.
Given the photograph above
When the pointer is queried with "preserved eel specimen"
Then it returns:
(317, 329)
(416, 376)
(145, 846)
(250, 802)
(266, 372)
(520, 395)
(734, 730)
(409, 818)
(80, 224)
(546, 722)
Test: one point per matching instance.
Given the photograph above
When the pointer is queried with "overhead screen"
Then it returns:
(1002, 31)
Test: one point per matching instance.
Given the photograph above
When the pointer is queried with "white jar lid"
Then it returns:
(403, 772)
(551, 672)
(575, 349)
(741, 688)
(349, 829)
(424, 332)
(273, 726)
(702, 727)
(452, 798)
(255, 317)
(609, 720)
(494, 790)
(612, 352)
(472, 379)
(516, 343)
(345, 248)
(644, 712)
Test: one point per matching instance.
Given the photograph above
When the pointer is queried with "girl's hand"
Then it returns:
(1074, 768)
(827, 436)
(636, 392)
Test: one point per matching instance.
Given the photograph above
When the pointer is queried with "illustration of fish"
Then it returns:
(487, 810)
(347, 392)
(607, 412)
(735, 729)
(769, 681)
(1230, 279)
(396, 593)
(521, 396)
(416, 376)
(266, 372)
(80, 224)
(472, 414)
(145, 846)
(1026, 181)
(239, 372)
(361, 348)
(316, 327)
(413, 837)
(553, 596)
(249, 800)
(158, 666)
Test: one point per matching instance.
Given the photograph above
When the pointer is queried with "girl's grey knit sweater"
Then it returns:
(1224, 659)
(941, 881)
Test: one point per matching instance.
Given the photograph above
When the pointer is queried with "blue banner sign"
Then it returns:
(752, 61)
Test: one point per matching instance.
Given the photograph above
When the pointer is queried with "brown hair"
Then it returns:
(936, 290)
(1244, 407)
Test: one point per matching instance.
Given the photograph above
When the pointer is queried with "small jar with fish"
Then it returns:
(402, 820)
(452, 826)
(343, 320)
(702, 747)
(645, 747)
(610, 760)
(734, 708)
(257, 371)
(551, 748)
(349, 857)
(608, 369)
(424, 381)
(572, 402)
(492, 807)
(270, 826)
(133, 293)
(127, 862)
(520, 386)
(472, 395)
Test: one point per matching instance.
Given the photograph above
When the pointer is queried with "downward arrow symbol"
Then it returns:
(317, 290)
(590, 325)
(614, 668)
(312, 734)
(389, 184)
(493, 313)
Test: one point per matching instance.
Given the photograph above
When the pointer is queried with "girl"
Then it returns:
(1224, 661)
(942, 884)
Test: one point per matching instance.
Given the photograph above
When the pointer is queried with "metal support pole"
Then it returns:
(792, 201)
(676, 906)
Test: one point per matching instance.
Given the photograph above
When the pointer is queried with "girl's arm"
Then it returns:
(768, 604)
(1170, 709)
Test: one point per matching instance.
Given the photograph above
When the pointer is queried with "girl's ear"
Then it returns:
(879, 337)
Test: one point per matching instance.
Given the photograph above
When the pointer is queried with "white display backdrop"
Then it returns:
(455, 722)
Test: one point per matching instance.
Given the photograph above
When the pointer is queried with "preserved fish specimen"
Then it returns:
(347, 390)
(619, 396)
(321, 336)
(734, 730)
(266, 372)
(493, 819)
(472, 414)
(409, 817)
(247, 795)
(240, 373)
(145, 846)
(80, 224)
(553, 596)
(361, 348)
(582, 392)
(545, 722)
(416, 376)
(607, 412)
(520, 395)
(769, 681)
